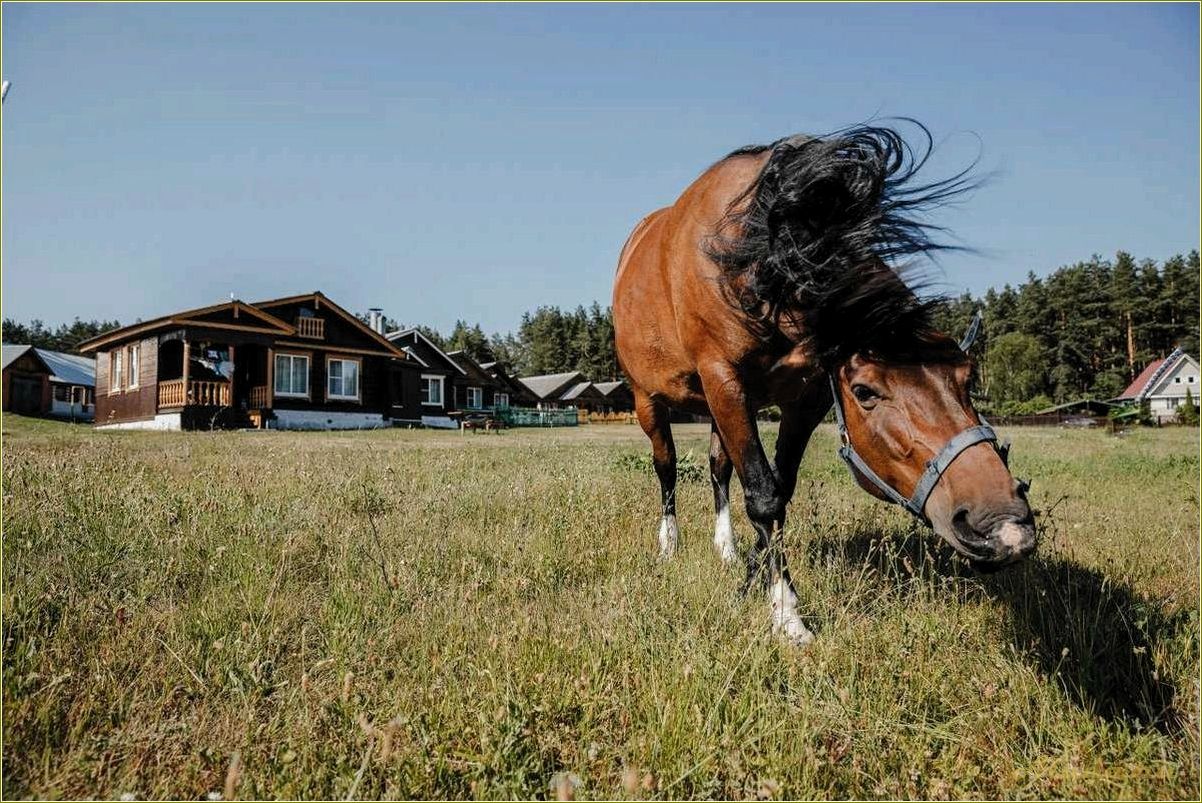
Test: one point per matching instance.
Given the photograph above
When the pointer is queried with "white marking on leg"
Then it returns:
(785, 619)
(724, 536)
(669, 535)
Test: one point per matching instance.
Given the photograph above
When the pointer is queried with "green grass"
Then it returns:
(429, 614)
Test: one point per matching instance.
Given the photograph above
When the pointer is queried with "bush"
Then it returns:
(1187, 413)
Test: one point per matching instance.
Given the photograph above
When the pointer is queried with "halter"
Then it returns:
(935, 467)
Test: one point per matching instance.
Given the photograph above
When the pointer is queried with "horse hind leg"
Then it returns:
(653, 418)
(721, 468)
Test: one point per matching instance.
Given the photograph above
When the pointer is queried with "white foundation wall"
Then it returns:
(316, 419)
(164, 422)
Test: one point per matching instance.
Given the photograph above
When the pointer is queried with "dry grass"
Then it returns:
(426, 614)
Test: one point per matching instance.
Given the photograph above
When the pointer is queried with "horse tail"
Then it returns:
(822, 232)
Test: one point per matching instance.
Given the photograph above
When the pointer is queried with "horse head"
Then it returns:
(912, 437)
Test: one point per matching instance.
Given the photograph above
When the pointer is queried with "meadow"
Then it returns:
(423, 614)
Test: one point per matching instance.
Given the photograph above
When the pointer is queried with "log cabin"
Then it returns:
(435, 403)
(477, 390)
(299, 362)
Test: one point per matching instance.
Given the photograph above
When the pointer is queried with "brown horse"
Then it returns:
(772, 280)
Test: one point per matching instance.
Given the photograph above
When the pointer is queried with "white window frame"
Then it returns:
(441, 390)
(116, 370)
(358, 378)
(500, 401)
(276, 374)
(478, 392)
(135, 352)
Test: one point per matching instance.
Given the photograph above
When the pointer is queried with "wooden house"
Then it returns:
(477, 390)
(300, 362)
(618, 398)
(517, 394)
(438, 375)
(43, 382)
(1163, 384)
(569, 389)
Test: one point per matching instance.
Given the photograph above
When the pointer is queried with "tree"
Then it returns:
(1187, 413)
(1016, 365)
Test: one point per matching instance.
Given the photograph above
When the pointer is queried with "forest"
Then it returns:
(1085, 330)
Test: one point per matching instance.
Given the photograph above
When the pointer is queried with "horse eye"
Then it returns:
(862, 393)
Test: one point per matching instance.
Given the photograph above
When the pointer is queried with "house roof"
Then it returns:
(470, 367)
(12, 351)
(415, 333)
(267, 323)
(1146, 381)
(320, 297)
(1089, 405)
(69, 369)
(546, 385)
(607, 388)
(575, 391)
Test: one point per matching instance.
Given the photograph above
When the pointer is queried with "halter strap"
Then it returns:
(935, 467)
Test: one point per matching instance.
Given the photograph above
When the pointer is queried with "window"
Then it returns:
(1191, 380)
(431, 390)
(502, 401)
(117, 372)
(1177, 379)
(475, 398)
(134, 351)
(342, 379)
(62, 393)
(291, 375)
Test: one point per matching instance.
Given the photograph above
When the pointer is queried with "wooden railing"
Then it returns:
(260, 397)
(171, 393)
(311, 327)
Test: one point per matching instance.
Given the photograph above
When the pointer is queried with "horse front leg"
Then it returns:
(653, 418)
(764, 496)
(721, 468)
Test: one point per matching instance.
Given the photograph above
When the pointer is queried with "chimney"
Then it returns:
(376, 318)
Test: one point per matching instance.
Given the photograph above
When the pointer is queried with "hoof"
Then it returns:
(792, 631)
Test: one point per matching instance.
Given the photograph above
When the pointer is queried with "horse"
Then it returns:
(780, 276)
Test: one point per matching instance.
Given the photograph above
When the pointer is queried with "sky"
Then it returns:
(477, 161)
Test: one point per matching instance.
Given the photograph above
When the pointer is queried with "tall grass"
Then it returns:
(427, 614)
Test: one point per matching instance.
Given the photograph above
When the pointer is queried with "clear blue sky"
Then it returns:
(476, 161)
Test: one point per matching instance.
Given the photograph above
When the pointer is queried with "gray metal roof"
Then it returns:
(575, 391)
(69, 369)
(12, 351)
(545, 385)
(608, 387)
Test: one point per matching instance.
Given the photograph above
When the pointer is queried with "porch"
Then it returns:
(200, 373)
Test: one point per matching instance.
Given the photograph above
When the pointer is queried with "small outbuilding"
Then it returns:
(43, 382)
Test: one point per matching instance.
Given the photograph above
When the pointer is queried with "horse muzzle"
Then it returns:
(991, 542)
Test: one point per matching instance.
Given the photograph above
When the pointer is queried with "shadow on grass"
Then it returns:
(1095, 639)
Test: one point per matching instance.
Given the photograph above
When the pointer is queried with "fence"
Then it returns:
(529, 417)
(1048, 420)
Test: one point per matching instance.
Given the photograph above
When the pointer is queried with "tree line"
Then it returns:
(1085, 330)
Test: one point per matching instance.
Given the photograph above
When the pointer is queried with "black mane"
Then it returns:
(822, 234)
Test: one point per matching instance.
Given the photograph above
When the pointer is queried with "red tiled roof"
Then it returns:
(1145, 375)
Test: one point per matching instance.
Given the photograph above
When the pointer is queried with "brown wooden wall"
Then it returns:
(30, 367)
(128, 404)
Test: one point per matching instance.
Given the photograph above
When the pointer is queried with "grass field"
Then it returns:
(429, 614)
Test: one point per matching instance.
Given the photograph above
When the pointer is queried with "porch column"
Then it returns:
(187, 361)
(233, 372)
(270, 378)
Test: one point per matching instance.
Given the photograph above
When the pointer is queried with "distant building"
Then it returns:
(300, 362)
(43, 382)
(618, 398)
(440, 375)
(569, 389)
(1163, 385)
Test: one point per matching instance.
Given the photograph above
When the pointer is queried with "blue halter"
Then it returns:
(917, 501)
